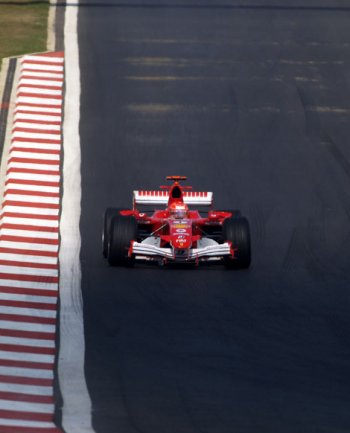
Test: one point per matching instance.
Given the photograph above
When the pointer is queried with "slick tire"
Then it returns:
(123, 230)
(110, 213)
(236, 230)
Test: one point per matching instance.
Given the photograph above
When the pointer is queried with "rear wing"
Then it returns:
(191, 198)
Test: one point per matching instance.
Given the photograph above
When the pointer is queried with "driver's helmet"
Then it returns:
(178, 210)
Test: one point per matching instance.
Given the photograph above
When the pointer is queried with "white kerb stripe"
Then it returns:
(38, 91)
(32, 342)
(37, 117)
(39, 101)
(40, 74)
(41, 155)
(32, 199)
(27, 298)
(38, 153)
(43, 68)
(34, 373)
(30, 166)
(34, 177)
(76, 412)
(29, 246)
(21, 326)
(31, 109)
(36, 135)
(26, 389)
(29, 271)
(37, 82)
(30, 221)
(35, 145)
(29, 284)
(36, 188)
(28, 357)
(43, 58)
(31, 210)
(5, 422)
(11, 405)
(46, 59)
(36, 126)
(22, 270)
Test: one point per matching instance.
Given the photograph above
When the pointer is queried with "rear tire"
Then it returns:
(236, 230)
(123, 230)
(110, 213)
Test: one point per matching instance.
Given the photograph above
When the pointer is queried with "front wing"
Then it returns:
(210, 252)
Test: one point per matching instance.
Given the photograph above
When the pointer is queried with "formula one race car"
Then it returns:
(177, 233)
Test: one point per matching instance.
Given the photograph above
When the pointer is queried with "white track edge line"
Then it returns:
(76, 411)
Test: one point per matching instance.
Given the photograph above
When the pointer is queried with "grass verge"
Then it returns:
(23, 27)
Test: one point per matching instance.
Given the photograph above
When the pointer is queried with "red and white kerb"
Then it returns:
(29, 242)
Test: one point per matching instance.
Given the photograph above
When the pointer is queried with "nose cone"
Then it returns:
(181, 242)
(181, 234)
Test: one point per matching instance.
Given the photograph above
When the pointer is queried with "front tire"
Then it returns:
(236, 230)
(110, 213)
(122, 232)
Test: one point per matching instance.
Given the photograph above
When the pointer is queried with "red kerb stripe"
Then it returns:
(31, 182)
(39, 122)
(28, 252)
(31, 265)
(40, 62)
(26, 380)
(57, 54)
(26, 364)
(29, 171)
(31, 193)
(30, 216)
(26, 304)
(35, 140)
(16, 429)
(27, 319)
(30, 104)
(36, 77)
(19, 110)
(16, 348)
(46, 336)
(30, 398)
(39, 95)
(36, 130)
(29, 278)
(30, 204)
(28, 416)
(35, 150)
(39, 86)
(29, 228)
(33, 161)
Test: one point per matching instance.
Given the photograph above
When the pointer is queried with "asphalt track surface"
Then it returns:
(252, 103)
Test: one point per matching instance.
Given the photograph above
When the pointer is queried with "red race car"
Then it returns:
(178, 233)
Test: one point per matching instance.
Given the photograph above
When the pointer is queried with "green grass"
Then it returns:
(23, 27)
